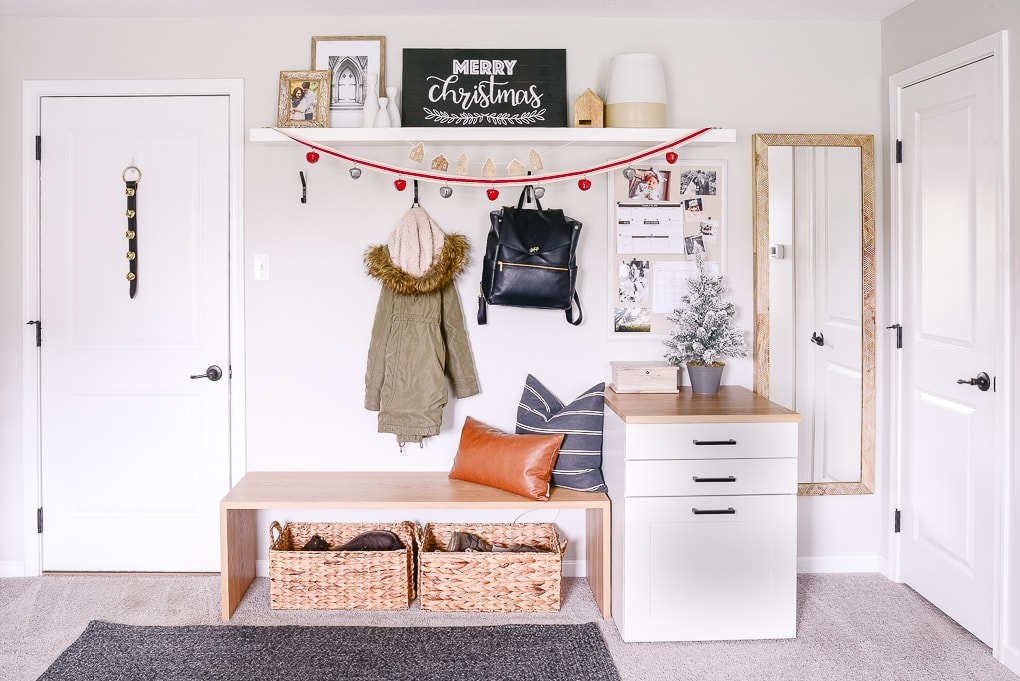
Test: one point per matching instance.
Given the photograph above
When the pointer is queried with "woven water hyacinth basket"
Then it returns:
(340, 580)
(491, 581)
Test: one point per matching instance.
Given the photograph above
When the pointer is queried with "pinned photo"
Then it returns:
(698, 182)
(692, 208)
(632, 319)
(633, 277)
(649, 185)
(694, 244)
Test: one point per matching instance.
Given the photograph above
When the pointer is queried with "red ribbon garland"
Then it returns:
(530, 179)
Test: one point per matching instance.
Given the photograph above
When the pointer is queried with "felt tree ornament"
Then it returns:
(702, 331)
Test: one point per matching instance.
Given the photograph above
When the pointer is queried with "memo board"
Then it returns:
(657, 220)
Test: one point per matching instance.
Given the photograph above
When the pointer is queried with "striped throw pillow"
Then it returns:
(579, 465)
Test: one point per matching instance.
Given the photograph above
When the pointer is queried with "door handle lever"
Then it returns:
(982, 381)
(818, 339)
(213, 373)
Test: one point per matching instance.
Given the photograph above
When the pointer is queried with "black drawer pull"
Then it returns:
(728, 478)
(714, 511)
(731, 441)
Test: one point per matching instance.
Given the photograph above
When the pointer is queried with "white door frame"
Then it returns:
(995, 48)
(32, 94)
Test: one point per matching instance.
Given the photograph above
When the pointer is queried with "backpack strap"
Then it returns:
(482, 317)
(570, 312)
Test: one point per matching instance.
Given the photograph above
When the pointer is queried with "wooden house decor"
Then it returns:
(536, 160)
(418, 153)
(462, 164)
(516, 169)
(440, 163)
(589, 110)
(489, 168)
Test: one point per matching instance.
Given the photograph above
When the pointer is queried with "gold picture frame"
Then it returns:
(304, 99)
(350, 60)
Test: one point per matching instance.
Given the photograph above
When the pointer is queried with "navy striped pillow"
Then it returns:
(579, 465)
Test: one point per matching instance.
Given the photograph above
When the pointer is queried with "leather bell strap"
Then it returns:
(131, 190)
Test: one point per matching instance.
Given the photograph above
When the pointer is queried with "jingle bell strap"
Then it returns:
(131, 190)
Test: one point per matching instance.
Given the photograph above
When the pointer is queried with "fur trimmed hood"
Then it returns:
(419, 258)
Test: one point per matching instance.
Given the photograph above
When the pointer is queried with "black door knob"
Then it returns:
(982, 381)
(818, 339)
(213, 373)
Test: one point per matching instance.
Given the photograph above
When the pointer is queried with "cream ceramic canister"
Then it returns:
(371, 99)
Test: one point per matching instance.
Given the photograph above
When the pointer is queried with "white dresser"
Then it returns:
(704, 515)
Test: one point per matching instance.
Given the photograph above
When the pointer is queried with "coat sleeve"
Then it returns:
(460, 365)
(377, 350)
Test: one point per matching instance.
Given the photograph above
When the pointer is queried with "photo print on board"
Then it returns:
(633, 275)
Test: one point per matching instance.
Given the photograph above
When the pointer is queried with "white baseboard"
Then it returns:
(571, 568)
(1010, 658)
(12, 568)
(823, 564)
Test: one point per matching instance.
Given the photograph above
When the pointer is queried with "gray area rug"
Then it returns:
(512, 652)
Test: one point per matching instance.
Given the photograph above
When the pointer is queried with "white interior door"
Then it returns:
(949, 273)
(135, 453)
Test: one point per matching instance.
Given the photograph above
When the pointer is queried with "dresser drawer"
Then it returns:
(711, 441)
(710, 477)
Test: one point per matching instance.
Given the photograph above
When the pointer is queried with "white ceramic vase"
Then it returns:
(392, 107)
(382, 117)
(371, 99)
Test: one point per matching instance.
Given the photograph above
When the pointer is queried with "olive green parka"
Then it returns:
(418, 337)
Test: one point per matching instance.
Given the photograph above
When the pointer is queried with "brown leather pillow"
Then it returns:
(521, 464)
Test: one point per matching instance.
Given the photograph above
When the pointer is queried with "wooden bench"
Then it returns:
(407, 490)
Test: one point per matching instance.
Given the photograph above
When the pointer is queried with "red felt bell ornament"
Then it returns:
(584, 184)
(492, 193)
(671, 157)
(312, 156)
(400, 183)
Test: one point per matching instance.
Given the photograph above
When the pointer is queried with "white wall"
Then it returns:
(307, 328)
(923, 30)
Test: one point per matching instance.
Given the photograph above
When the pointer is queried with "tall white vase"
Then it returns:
(392, 107)
(382, 117)
(371, 99)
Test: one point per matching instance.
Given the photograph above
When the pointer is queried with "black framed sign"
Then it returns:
(488, 87)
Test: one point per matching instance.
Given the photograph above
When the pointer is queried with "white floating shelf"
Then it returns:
(582, 136)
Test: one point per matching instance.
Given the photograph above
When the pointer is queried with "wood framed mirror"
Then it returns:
(814, 300)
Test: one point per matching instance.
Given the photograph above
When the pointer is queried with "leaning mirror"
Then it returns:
(814, 299)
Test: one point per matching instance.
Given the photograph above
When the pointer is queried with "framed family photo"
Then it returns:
(304, 99)
(357, 67)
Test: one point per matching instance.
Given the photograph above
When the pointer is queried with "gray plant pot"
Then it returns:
(704, 379)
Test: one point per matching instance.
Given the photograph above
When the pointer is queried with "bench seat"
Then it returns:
(386, 490)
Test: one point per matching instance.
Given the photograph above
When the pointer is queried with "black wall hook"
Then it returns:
(415, 202)
(304, 187)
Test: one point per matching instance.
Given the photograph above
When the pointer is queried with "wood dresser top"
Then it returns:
(732, 404)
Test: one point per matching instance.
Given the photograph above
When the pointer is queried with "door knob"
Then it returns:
(213, 373)
(818, 339)
(982, 381)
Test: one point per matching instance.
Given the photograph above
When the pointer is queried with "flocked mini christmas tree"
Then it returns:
(702, 331)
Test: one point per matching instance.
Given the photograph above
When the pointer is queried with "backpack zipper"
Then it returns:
(521, 264)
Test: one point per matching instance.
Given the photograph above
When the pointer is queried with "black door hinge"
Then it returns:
(899, 335)
(38, 332)
(38, 147)
(899, 151)
(896, 521)
(38, 520)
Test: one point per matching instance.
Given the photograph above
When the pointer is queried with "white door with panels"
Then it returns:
(134, 391)
(950, 179)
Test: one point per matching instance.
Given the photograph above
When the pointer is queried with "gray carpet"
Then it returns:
(849, 627)
(511, 652)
